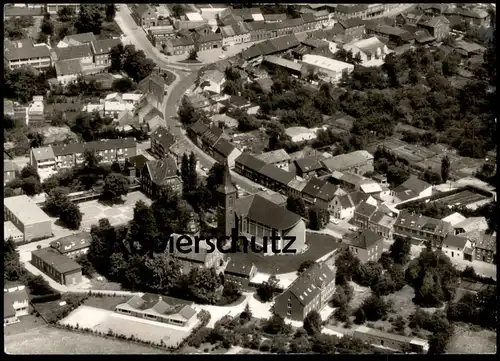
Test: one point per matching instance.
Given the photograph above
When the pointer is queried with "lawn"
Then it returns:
(205, 348)
(105, 302)
(57, 341)
(28, 323)
(472, 340)
(51, 311)
(104, 285)
(319, 245)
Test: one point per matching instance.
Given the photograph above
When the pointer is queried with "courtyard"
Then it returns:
(93, 211)
(318, 246)
(105, 320)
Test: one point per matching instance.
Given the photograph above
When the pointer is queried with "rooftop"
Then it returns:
(365, 239)
(346, 161)
(423, 223)
(72, 242)
(23, 208)
(25, 49)
(10, 230)
(74, 52)
(327, 63)
(454, 218)
(61, 263)
(249, 161)
(68, 67)
(276, 60)
(266, 212)
(275, 156)
(309, 284)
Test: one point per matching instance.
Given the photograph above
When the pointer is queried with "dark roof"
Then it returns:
(249, 161)
(365, 209)
(265, 212)
(74, 52)
(139, 161)
(183, 41)
(108, 144)
(308, 18)
(239, 268)
(161, 170)
(277, 174)
(61, 263)
(313, 187)
(351, 9)
(104, 46)
(423, 223)
(212, 135)
(309, 164)
(164, 137)
(365, 239)
(351, 23)
(327, 192)
(141, 9)
(25, 51)
(15, 11)
(238, 100)
(9, 298)
(68, 67)
(209, 38)
(454, 241)
(199, 128)
(72, 242)
(310, 283)
(224, 147)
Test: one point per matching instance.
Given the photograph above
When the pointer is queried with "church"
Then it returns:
(256, 216)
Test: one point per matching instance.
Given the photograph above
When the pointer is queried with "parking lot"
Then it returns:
(93, 211)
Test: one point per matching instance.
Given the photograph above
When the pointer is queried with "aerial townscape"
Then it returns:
(250, 178)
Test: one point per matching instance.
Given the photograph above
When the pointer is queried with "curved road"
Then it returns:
(183, 82)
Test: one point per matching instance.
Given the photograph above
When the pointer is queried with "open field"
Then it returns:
(469, 341)
(57, 341)
(105, 302)
(28, 323)
(104, 320)
(93, 211)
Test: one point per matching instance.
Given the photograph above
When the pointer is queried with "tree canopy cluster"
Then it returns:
(58, 205)
(131, 61)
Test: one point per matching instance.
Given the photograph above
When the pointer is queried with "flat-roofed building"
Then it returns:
(11, 231)
(327, 68)
(392, 341)
(27, 217)
(60, 268)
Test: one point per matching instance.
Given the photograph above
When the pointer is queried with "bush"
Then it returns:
(265, 346)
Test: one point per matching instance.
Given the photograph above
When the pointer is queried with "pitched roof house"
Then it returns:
(159, 173)
(310, 292)
(366, 245)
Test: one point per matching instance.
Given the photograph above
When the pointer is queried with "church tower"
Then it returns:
(227, 194)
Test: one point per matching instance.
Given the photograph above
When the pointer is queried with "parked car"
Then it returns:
(335, 221)
(262, 188)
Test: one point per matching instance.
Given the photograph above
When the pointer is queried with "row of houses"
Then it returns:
(69, 155)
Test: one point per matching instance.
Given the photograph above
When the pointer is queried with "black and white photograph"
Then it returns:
(250, 178)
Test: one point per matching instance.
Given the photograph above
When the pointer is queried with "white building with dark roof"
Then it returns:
(27, 217)
(24, 52)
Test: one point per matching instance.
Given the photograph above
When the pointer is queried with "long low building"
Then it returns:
(327, 68)
(57, 266)
(27, 217)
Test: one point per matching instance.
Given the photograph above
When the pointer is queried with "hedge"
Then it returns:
(46, 298)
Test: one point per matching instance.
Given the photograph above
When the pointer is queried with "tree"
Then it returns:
(397, 175)
(36, 139)
(136, 64)
(31, 186)
(66, 13)
(70, 215)
(300, 345)
(318, 218)
(267, 289)
(56, 199)
(312, 323)
(13, 270)
(193, 54)
(39, 286)
(162, 273)
(23, 83)
(345, 263)
(359, 316)
(187, 113)
(385, 260)
(115, 186)
(87, 267)
(102, 246)
(204, 285)
(177, 10)
(400, 250)
(246, 315)
(343, 295)
(374, 307)
(110, 12)
(432, 177)
(368, 274)
(296, 205)
(342, 313)
(47, 27)
(90, 19)
(192, 179)
(123, 85)
(445, 168)
(276, 325)
(143, 232)
(305, 266)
